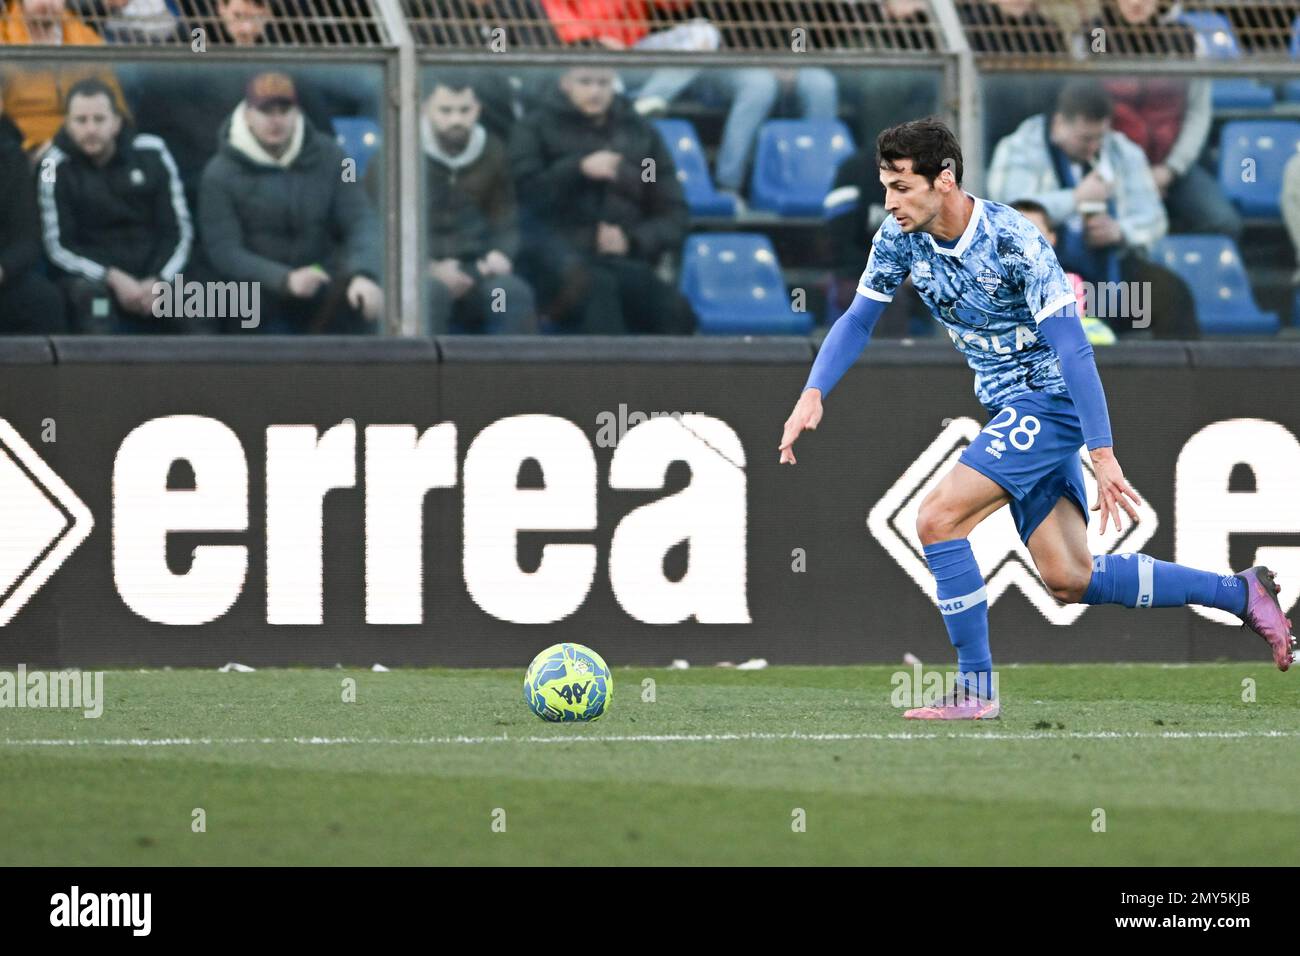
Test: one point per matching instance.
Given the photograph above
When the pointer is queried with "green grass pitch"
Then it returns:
(419, 768)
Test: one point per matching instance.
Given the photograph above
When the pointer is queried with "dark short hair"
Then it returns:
(91, 87)
(928, 143)
(1086, 98)
(1027, 206)
(454, 80)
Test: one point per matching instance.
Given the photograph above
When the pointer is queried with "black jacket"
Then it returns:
(259, 222)
(471, 210)
(546, 151)
(129, 214)
(20, 243)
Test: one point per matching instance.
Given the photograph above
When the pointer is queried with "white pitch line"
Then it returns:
(647, 738)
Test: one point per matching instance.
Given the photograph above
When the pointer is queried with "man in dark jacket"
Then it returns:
(602, 205)
(274, 209)
(29, 303)
(114, 214)
(471, 217)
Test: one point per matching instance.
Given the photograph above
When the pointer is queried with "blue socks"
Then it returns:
(965, 609)
(1133, 580)
(1139, 580)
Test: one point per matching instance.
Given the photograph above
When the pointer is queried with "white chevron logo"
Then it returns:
(41, 522)
(1002, 556)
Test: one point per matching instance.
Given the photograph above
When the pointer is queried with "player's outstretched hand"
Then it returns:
(1113, 491)
(807, 413)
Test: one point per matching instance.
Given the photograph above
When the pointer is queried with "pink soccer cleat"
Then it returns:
(957, 707)
(1264, 614)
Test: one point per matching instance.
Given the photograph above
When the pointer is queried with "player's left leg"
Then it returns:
(1059, 546)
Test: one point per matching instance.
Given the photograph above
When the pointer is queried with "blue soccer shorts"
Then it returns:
(1031, 448)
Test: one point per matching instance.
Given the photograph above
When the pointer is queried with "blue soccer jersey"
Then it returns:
(990, 290)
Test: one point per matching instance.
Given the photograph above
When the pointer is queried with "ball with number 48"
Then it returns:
(568, 682)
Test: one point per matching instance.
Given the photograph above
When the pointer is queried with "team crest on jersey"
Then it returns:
(989, 281)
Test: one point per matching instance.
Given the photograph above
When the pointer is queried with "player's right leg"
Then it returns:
(948, 514)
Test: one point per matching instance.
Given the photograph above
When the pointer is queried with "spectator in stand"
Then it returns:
(478, 23)
(285, 22)
(854, 210)
(1018, 28)
(898, 25)
(749, 94)
(471, 217)
(242, 23)
(596, 225)
(1097, 184)
(114, 216)
(29, 303)
(34, 95)
(1168, 116)
(274, 209)
(609, 25)
(1010, 26)
(1098, 332)
(887, 97)
(131, 21)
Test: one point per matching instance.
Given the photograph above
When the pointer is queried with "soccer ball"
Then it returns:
(568, 682)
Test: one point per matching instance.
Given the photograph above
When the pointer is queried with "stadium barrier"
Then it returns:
(192, 502)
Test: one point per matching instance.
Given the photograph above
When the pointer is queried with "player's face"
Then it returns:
(911, 198)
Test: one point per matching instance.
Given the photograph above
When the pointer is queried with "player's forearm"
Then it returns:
(844, 343)
(1064, 332)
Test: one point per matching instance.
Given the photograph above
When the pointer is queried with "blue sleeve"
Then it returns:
(1064, 333)
(844, 343)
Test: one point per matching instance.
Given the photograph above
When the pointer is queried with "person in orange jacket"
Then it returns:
(34, 94)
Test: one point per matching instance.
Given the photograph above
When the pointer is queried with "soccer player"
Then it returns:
(986, 274)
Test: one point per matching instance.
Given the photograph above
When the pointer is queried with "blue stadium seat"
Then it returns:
(1241, 93)
(795, 164)
(1261, 147)
(1212, 268)
(693, 169)
(359, 137)
(1295, 38)
(734, 283)
(1220, 42)
(1291, 91)
(1216, 33)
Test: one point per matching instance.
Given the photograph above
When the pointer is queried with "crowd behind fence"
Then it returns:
(644, 166)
